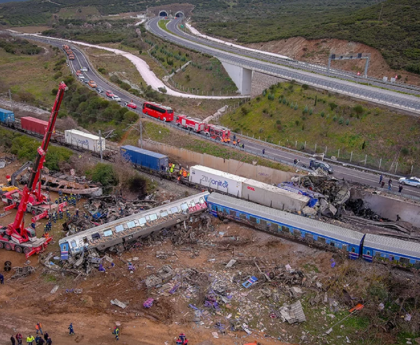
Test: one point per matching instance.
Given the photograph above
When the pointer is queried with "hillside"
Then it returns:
(391, 26)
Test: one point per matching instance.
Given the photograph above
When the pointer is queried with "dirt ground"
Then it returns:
(317, 51)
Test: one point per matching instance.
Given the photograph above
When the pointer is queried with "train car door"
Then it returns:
(64, 248)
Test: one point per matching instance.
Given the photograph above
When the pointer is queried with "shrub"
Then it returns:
(335, 118)
(333, 106)
(322, 114)
(271, 97)
(103, 173)
(358, 109)
(341, 120)
(347, 122)
(305, 87)
(244, 111)
(278, 122)
(311, 111)
(404, 151)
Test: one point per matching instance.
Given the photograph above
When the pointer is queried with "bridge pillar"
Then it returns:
(242, 77)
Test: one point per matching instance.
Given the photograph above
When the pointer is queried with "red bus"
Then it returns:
(158, 111)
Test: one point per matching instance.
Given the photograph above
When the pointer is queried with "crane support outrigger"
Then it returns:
(16, 236)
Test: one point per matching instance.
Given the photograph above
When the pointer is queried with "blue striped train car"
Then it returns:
(392, 249)
(280, 222)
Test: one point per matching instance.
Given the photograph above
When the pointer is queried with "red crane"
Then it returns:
(16, 232)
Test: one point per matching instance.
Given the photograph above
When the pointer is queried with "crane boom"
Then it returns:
(17, 229)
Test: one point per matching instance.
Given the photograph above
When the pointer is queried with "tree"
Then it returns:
(103, 173)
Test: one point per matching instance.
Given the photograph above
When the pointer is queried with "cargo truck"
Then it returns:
(144, 158)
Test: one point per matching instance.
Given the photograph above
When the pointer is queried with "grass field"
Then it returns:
(83, 12)
(291, 114)
(32, 78)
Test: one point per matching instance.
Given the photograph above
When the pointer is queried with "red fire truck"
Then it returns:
(190, 123)
(218, 133)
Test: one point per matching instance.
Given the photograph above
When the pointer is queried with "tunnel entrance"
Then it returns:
(163, 13)
(179, 14)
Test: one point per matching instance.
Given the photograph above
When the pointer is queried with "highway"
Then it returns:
(251, 146)
(388, 98)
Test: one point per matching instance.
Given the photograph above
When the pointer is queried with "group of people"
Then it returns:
(382, 183)
(30, 339)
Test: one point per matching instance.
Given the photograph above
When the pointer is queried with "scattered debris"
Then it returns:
(118, 303)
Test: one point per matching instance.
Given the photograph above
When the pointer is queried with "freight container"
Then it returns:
(272, 196)
(84, 140)
(144, 158)
(6, 116)
(217, 180)
(34, 125)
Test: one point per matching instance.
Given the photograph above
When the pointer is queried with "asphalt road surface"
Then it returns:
(372, 94)
(251, 146)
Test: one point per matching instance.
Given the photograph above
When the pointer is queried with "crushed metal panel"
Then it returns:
(296, 312)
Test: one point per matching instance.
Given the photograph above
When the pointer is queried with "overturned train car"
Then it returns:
(139, 225)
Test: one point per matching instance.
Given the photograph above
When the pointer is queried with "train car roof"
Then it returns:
(392, 245)
(82, 134)
(140, 150)
(277, 190)
(131, 218)
(219, 173)
(6, 111)
(293, 220)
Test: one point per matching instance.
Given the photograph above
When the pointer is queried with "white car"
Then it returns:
(116, 98)
(410, 181)
(84, 69)
(81, 77)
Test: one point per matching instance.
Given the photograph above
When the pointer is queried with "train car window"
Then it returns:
(153, 217)
(142, 221)
(242, 216)
(119, 228)
(192, 203)
(108, 233)
(184, 206)
(131, 225)
(404, 261)
(73, 244)
(353, 250)
(174, 209)
(296, 233)
(163, 213)
(202, 201)
(232, 213)
(309, 237)
(274, 227)
(213, 207)
(263, 224)
(97, 236)
(253, 219)
(285, 229)
(332, 244)
(219, 208)
(147, 218)
(368, 252)
(225, 211)
(321, 239)
(391, 257)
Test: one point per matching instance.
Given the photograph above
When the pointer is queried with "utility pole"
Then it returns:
(141, 133)
(10, 97)
(100, 144)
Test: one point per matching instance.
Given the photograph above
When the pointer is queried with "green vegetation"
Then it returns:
(335, 123)
(103, 173)
(25, 148)
(18, 46)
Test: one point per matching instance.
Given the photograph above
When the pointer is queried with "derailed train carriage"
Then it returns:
(139, 225)
(356, 244)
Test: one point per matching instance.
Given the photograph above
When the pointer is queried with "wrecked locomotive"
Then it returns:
(139, 225)
(356, 244)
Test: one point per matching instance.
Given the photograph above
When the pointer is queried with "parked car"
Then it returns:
(92, 84)
(410, 181)
(116, 98)
(109, 93)
(130, 105)
(84, 69)
(99, 90)
(314, 164)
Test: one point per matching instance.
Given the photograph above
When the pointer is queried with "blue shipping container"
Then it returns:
(147, 159)
(6, 116)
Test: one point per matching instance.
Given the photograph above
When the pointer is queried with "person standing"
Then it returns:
(49, 341)
(30, 340)
(389, 184)
(12, 339)
(400, 188)
(19, 338)
(71, 330)
(41, 341)
(37, 339)
(381, 177)
(46, 336)
(117, 333)
(1, 279)
(38, 328)
(263, 151)
(382, 184)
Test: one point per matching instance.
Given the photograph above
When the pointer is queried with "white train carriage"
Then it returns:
(284, 223)
(132, 227)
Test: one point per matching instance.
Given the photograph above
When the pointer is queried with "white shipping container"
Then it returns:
(272, 196)
(217, 180)
(84, 140)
